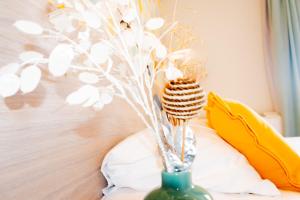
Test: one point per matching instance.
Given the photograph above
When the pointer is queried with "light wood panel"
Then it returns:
(49, 150)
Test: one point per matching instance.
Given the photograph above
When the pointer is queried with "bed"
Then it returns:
(126, 193)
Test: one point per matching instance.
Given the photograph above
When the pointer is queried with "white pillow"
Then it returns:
(135, 163)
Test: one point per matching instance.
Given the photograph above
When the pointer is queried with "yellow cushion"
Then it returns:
(245, 130)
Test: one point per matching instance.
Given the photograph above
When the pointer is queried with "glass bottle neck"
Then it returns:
(177, 180)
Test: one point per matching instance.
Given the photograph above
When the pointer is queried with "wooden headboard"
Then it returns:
(49, 150)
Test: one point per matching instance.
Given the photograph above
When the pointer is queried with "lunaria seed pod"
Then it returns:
(182, 100)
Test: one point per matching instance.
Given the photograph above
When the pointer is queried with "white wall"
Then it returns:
(232, 32)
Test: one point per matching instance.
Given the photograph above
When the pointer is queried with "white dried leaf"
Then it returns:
(92, 19)
(78, 6)
(100, 52)
(180, 54)
(154, 23)
(30, 55)
(87, 77)
(161, 51)
(122, 2)
(82, 95)
(11, 68)
(61, 21)
(84, 35)
(149, 42)
(60, 59)
(173, 73)
(28, 27)
(84, 45)
(129, 15)
(106, 98)
(88, 63)
(30, 78)
(75, 98)
(98, 106)
(94, 98)
(9, 85)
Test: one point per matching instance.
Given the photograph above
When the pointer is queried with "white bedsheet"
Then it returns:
(129, 194)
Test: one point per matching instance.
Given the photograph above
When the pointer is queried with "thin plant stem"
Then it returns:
(183, 140)
(173, 19)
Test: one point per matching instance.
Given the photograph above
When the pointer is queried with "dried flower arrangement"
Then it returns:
(116, 50)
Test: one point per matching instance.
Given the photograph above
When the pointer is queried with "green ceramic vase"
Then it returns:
(178, 186)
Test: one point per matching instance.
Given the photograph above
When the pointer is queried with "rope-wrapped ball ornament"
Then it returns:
(182, 100)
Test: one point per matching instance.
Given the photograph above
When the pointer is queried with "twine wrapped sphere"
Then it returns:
(182, 100)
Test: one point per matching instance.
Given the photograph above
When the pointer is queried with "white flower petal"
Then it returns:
(60, 59)
(87, 77)
(173, 73)
(28, 27)
(9, 85)
(161, 51)
(30, 78)
(92, 19)
(30, 55)
(100, 52)
(155, 23)
(11, 68)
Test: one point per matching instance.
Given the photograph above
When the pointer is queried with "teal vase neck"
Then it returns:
(178, 186)
(177, 180)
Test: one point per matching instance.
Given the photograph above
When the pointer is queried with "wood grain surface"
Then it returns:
(49, 150)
